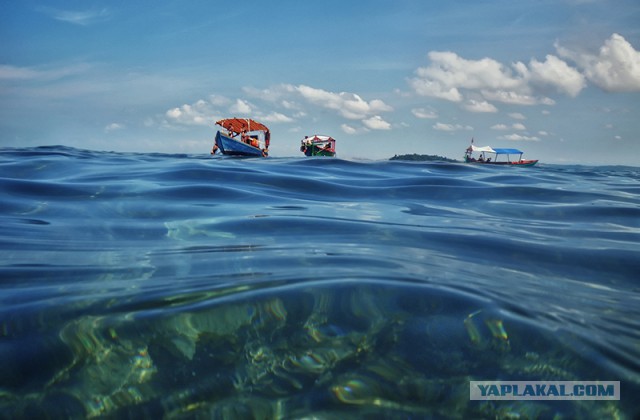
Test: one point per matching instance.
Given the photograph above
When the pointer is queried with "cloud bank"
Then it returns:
(615, 68)
(293, 100)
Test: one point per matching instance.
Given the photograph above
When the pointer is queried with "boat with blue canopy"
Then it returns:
(242, 137)
(496, 156)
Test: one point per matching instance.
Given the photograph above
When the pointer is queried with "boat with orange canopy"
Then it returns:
(242, 137)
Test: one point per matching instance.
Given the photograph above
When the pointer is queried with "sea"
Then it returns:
(142, 285)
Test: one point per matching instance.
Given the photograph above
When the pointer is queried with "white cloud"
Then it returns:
(199, 113)
(349, 105)
(113, 127)
(433, 89)
(348, 129)
(289, 105)
(448, 73)
(518, 137)
(424, 113)
(218, 100)
(453, 78)
(479, 106)
(241, 107)
(616, 67)
(515, 98)
(376, 123)
(275, 117)
(517, 116)
(450, 127)
(543, 133)
(502, 127)
(558, 74)
(272, 94)
(82, 18)
(8, 72)
(450, 70)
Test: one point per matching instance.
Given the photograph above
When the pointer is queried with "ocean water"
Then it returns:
(191, 286)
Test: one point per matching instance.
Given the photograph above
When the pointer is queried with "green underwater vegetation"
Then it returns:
(338, 350)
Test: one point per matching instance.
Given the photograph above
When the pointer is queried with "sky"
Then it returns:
(558, 79)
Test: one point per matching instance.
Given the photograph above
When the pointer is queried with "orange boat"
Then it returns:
(242, 137)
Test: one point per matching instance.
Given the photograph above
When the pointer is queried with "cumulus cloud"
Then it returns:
(376, 123)
(517, 116)
(616, 67)
(284, 103)
(557, 74)
(113, 127)
(219, 100)
(503, 127)
(199, 113)
(349, 105)
(275, 117)
(451, 77)
(348, 129)
(515, 98)
(240, 107)
(345, 104)
(451, 127)
(425, 87)
(448, 70)
(424, 113)
(518, 137)
(479, 106)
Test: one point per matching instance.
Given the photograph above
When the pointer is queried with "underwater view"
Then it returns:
(191, 286)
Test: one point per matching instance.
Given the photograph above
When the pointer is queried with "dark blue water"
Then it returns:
(179, 286)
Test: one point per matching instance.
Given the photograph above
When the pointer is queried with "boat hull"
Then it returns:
(522, 162)
(514, 163)
(316, 151)
(232, 147)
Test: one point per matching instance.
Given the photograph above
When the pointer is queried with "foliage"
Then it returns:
(423, 158)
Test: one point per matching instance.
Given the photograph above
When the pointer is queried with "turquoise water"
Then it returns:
(184, 286)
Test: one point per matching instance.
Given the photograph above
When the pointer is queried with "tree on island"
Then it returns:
(422, 158)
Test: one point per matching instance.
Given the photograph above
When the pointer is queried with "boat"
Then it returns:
(317, 145)
(497, 156)
(242, 137)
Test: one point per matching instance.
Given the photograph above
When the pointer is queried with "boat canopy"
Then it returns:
(482, 149)
(497, 151)
(508, 151)
(238, 125)
(316, 137)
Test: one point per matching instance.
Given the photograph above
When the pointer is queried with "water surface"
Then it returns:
(148, 285)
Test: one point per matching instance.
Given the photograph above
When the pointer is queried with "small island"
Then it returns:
(423, 158)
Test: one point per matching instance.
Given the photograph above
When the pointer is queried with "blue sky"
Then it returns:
(559, 79)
